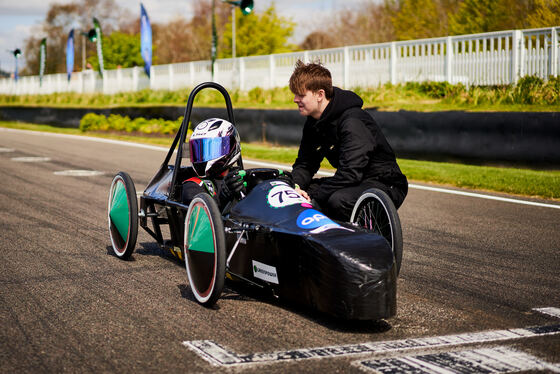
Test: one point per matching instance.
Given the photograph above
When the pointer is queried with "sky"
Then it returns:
(17, 17)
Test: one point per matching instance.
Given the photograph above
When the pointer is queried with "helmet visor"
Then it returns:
(207, 149)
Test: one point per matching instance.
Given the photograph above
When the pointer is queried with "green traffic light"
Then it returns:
(16, 52)
(246, 6)
(92, 35)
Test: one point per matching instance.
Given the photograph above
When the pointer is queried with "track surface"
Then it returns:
(68, 305)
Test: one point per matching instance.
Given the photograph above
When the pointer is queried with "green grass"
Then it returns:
(525, 182)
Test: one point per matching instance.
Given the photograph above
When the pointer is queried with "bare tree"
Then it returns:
(60, 19)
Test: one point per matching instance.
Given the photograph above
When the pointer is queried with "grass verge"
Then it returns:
(525, 182)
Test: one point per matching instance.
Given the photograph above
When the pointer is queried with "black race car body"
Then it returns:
(307, 258)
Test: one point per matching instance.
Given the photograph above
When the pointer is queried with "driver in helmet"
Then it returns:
(214, 149)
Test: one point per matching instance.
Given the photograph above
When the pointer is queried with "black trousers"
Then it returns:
(340, 204)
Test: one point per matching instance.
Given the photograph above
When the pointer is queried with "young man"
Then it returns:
(338, 129)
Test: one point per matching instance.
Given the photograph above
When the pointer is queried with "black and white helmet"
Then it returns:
(214, 146)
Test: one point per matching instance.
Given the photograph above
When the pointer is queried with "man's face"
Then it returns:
(309, 104)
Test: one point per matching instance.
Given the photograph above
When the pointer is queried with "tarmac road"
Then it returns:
(473, 271)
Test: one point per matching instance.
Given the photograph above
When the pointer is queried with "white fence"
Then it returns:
(478, 59)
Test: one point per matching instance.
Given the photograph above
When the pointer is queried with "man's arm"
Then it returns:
(307, 162)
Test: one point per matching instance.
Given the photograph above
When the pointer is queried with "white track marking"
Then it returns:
(551, 311)
(220, 356)
(482, 196)
(484, 360)
(30, 159)
(286, 167)
(78, 173)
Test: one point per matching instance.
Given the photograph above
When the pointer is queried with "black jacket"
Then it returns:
(352, 142)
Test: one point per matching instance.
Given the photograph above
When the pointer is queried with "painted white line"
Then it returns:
(78, 173)
(286, 167)
(30, 159)
(484, 360)
(89, 138)
(551, 311)
(217, 355)
(6, 150)
(482, 196)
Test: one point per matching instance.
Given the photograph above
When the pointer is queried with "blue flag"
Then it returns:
(145, 39)
(70, 54)
(42, 60)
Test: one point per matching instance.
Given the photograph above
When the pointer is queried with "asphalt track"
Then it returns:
(474, 270)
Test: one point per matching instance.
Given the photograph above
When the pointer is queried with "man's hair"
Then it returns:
(313, 77)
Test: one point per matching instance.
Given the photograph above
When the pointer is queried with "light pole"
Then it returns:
(246, 8)
(17, 54)
(91, 35)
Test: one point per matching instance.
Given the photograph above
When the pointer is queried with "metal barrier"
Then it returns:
(479, 59)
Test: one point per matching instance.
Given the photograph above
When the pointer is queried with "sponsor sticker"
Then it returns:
(265, 272)
(317, 222)
(282, 195)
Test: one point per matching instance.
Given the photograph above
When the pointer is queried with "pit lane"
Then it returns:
(68, 305)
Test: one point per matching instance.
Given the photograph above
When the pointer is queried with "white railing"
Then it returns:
(479, 59)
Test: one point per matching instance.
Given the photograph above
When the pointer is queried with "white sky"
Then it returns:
(17, 17)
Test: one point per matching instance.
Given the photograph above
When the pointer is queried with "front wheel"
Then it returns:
(122, 212)
(205, 249)
(375, 211)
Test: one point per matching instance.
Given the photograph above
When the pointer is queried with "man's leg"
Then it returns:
(341, 203)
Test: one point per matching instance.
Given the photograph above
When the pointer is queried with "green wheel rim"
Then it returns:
(120, 211)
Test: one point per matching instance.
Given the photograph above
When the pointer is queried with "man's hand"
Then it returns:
(303, 193)
(234, 183)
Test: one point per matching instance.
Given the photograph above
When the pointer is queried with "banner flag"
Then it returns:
(70, 54)
(42, 60)
(145, 39)
(97, 27)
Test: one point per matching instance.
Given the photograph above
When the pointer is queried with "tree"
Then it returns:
(119, 50)
(258, 34)
(477, 16)
(318, 40)
(369, 22)
(417, 19)
(184, 40)
(546, 13)
(58, 22)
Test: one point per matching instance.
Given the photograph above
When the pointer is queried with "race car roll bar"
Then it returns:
(182, 135)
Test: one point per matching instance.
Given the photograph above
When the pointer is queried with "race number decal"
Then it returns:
(317, 222)
(283, 195)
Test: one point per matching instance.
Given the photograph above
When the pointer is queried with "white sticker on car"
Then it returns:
(282, 195)
(265, 272)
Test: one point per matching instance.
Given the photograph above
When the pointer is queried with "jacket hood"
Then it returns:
(341, 100)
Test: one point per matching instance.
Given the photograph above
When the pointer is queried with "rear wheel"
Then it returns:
(205, 249)
(122, 213)
(375, 211)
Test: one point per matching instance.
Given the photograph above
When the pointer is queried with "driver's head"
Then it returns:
(214, 147)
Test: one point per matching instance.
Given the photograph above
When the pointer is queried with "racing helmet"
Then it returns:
(214, 146)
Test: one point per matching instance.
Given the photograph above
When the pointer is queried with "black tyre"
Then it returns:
(122, 213)
(205, 249)
(375, 211)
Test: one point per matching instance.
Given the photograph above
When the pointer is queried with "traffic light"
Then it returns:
(246, 6)
(92, 35)
(17, 53)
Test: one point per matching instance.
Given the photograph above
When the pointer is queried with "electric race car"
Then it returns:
(272, 238)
